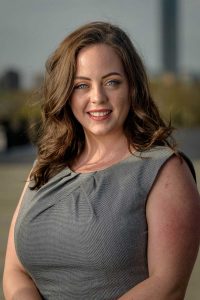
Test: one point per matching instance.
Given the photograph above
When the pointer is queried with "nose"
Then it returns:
(98, 95)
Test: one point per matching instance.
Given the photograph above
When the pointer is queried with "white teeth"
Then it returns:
(99, 113)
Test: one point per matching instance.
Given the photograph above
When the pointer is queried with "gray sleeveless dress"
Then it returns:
(84, 236)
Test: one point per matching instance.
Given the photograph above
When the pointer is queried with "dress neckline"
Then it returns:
(136, 155)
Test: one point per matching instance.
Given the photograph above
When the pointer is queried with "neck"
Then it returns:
(102, 151)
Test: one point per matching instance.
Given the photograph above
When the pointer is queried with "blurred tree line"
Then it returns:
(176, 99)
(19, 116)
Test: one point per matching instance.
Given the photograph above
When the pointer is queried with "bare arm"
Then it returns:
(173, 216)
(17, 284)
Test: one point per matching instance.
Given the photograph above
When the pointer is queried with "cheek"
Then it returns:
(78, 101)
(124, 101)
(74, 104)
(124, 95)
(74, 108)
(77, 109)
(76, 113)
(125, 107)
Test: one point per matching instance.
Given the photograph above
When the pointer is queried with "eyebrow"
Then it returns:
(107, 75)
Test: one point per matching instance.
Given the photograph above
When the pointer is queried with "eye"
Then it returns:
(113, 82)
(81, 86)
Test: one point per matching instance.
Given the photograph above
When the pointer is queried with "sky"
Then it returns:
(31, 29)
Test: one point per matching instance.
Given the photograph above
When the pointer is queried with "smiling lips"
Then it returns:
(99, 115)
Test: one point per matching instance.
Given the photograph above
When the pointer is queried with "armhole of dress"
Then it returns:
(190, 164)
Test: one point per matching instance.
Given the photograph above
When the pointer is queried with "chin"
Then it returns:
(100, 133)
(103, 132)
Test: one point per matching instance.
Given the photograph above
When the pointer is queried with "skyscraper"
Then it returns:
(169, 35)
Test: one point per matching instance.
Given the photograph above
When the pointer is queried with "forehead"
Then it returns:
(99, 57)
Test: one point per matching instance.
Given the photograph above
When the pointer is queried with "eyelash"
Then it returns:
(113, 82)
(109, 83)
(80, 86)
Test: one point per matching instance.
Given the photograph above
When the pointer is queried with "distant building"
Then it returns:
(10, 80)
(170, 36)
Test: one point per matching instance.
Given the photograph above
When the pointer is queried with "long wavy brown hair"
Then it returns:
(61, 137)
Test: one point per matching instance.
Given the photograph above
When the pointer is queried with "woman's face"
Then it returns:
(100, 99)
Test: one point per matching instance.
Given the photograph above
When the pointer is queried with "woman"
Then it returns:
(111, 210)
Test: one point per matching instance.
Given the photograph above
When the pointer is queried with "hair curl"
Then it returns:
(61, 137)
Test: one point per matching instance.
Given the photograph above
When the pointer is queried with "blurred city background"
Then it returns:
(166, 34)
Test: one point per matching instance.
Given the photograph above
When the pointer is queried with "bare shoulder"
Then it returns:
(174, 192)
(175, 180)
(173, 216)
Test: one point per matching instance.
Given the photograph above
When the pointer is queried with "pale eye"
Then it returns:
(81, 86)
(113, 82)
